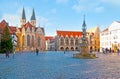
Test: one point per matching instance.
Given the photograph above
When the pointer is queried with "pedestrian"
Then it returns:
(37, 51)
(118, 51)
(7, 53)
(13, 53)
(64, 51)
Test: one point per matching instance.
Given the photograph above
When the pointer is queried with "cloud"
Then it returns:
(87, 6)
(99, 9)
(12, 19)
(52, 11)
(112, 2)
(62, 1)
(42, 21)
(78, 8)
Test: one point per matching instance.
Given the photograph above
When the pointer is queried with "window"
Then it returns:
(76, 41)
(67, 41)
(32, 40)
(28, 40)
(72, 41)
(38, 41)
(62, 41)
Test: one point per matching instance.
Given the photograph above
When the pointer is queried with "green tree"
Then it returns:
(6, 42)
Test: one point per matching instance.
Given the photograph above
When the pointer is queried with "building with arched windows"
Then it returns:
(67, 40)
(30, 37)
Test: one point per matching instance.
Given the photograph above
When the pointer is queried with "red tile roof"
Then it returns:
(27, 25)
(49, 37)
(12, 29)
(69, 33)
(3, 24)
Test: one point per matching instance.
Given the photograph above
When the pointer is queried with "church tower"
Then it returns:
(23, 18)
(33, 19)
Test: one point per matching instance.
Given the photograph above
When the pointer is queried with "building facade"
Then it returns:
(93, 36)
(12, 31)
(30, 37)
(109, 37)
(67, 40)
(50, 43)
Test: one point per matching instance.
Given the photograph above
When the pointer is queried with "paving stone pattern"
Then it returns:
(57, 65)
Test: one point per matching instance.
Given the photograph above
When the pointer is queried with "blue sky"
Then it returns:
(62, 14)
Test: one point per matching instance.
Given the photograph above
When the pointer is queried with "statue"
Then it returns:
(84, 46)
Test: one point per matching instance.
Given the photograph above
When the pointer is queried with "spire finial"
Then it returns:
(84, 17)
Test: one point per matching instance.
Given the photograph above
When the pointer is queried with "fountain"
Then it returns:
(84, 49)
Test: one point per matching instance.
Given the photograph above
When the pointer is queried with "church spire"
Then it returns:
(84, 24)
(33, 15)
(33, 19)
(23, 14)
(23, 17)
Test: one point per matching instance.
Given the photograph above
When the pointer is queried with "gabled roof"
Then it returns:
(41, 29)
(92, 29)
(11, 29)
(3, 24)
(27, 25)
(69, 33)
(105, 30)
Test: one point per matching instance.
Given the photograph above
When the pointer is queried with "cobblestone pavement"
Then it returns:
(57, 65)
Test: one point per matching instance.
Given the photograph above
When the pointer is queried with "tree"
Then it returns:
(6, 41)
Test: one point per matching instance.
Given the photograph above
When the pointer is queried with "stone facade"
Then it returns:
(30, 37)
(93, 36)
(67, 40)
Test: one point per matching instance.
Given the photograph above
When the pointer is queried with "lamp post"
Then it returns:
(0, 41)
(0, 38)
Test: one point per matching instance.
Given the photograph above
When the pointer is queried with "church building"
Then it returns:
(29, 35)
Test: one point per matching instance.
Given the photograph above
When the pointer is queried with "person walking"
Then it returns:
(118, 51)
(7, 53)
(37, 51)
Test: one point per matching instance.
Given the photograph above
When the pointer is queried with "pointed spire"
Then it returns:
(33, 15)
(23, 14)
(84, 24)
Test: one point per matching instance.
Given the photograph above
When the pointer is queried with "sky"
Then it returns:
(62, 14)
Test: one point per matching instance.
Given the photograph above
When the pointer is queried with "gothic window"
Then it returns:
(38, 41)
(28, 40)
(72, 41)
(76, 41)
(67, 41)
(62, 41)
(32, 40)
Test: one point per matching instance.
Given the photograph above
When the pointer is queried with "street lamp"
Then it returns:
(0, 41)
(0, 37)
